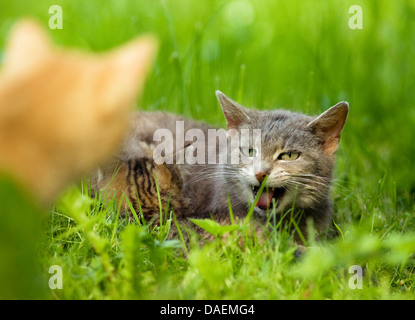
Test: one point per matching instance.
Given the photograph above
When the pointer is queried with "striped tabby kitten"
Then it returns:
(142, 183)
(295, 160)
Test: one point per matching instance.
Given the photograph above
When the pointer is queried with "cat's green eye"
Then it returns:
(289, 156)
(248, 152)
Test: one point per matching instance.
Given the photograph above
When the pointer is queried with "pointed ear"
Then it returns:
(26, 45)
(133, 61)
(129, 66)
(234, 113)
(329, 125)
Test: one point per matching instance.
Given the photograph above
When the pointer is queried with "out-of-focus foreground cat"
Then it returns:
(63, 111)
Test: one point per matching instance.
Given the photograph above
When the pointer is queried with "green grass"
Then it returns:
(298, 55)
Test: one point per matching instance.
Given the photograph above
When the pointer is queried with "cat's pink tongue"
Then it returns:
(265, 199)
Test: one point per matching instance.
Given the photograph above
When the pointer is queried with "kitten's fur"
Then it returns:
(205, 188)
(62, 111)
(141, 183)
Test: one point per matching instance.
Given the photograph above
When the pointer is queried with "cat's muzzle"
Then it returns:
(269, 198)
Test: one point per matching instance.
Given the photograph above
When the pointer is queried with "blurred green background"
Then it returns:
(298, 55)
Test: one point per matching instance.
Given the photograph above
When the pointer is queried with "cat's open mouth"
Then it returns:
(268, 197)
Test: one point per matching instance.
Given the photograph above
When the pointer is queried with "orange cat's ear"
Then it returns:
(27, 45)
(234, 113)
(329, 125)
(128, 68)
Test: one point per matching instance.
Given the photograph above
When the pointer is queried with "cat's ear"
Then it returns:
(234, 113)
(26, 46)
(329, 125)
(129, 66)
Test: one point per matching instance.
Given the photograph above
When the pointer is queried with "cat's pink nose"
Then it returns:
(260, 176)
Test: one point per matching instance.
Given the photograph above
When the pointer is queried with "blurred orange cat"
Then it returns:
(62, 112)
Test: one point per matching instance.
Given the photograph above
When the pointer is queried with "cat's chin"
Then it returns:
(266, 212)
(260, 212)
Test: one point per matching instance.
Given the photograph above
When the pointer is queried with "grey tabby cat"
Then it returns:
(296, 161)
